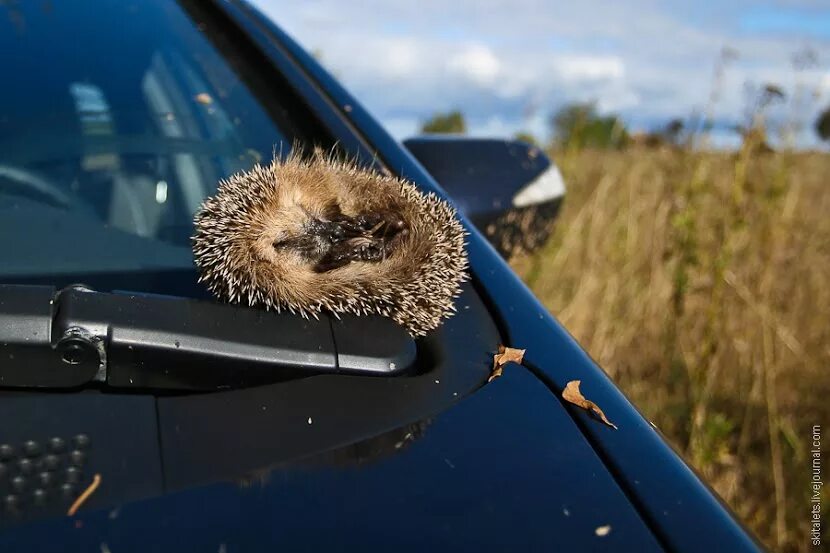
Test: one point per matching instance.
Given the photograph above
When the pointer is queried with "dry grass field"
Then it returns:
(701, 282)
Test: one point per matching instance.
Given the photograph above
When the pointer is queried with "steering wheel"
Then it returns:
(32, 182)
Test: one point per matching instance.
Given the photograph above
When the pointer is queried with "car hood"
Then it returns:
(502, 469)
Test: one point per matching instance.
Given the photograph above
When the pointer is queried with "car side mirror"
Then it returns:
(509, 189)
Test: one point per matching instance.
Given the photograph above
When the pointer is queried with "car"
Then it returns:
(138, 414)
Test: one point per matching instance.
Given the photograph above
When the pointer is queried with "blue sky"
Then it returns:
(508, 64)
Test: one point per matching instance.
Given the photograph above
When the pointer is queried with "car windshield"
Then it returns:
(116, 120)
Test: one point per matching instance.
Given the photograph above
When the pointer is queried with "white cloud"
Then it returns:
(590, 68)
(509, 64)
(493, 126)
(399, 58)
(477, 63)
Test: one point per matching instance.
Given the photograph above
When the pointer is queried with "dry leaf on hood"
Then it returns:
(602, 530)
(96, 481)
(503, 357)
(573, 395)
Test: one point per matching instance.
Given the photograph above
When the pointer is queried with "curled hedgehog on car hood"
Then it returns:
(314, 234)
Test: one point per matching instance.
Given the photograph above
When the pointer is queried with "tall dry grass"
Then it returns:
(701, 283)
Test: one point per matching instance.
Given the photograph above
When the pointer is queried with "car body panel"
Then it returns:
(483, 175)
(509, 189)
(487, 474)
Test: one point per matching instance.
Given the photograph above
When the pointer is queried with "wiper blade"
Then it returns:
(77, 337)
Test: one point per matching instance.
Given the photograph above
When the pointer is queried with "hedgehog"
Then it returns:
(313, 234)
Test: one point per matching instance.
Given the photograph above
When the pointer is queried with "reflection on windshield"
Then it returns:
(122, 118)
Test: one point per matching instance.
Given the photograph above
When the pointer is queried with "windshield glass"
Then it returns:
(116, 120)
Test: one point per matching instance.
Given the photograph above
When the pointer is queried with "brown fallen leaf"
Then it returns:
(572, 394)
(204, 98)
(96, 481)
(602, 531)
(502, 358)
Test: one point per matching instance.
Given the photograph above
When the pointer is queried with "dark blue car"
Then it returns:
(136, 414)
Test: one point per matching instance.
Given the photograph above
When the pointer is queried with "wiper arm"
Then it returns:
(78, 336)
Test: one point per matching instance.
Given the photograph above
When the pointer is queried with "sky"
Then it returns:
(509, 64)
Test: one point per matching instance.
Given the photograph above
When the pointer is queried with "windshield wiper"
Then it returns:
(76, 336)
